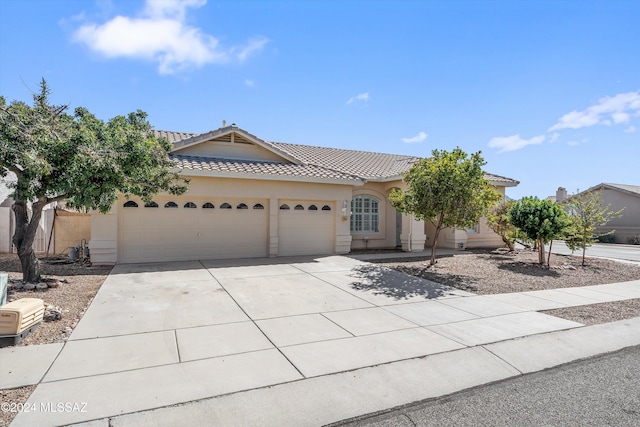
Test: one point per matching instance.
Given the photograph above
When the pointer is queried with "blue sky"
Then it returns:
(549, 91)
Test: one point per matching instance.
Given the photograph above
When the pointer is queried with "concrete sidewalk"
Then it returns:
(293, 341)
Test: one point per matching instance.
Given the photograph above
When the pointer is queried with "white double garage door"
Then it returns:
(184, 228)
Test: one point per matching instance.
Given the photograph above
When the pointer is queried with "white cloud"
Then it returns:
(414, 139)
(364, 97)
(630, 129)
(554, 137)
(161, 35)
(254, 45)
(514, 142)
(609, 110)
(249, 83)
(576, 143)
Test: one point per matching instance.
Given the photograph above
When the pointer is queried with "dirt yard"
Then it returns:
(78, 284)
(493, 272)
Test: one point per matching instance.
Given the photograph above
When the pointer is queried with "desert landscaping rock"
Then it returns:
(52, 313)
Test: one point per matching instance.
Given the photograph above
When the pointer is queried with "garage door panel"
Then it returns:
(305, 232)
(168, 234)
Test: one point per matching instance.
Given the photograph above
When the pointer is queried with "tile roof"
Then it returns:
(173, 137)
(368, 165)
(500, 179)
(315, 162)
(260, 168)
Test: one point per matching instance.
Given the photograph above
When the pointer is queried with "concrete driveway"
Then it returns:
(158, 335)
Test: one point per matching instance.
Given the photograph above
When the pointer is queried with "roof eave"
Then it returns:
(504, 184)
(607, 186)
(288, 178)
(385, 178)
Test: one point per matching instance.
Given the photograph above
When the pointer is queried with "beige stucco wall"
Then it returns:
(5, 229)
(628, 224)
(412, 237)
(452, 238)
(70, 229)
(104, 228)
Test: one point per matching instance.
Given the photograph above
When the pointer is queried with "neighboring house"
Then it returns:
(253, 198)
(619, 196)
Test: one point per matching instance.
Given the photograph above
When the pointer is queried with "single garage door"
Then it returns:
(305, 228)
(187, 229)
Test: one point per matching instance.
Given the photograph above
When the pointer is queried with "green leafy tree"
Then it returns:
(586, 213)
(77, 158)
(540, 220)
(449, 189)
(498, 221)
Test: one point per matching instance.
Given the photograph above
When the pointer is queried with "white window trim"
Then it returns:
(367, 218)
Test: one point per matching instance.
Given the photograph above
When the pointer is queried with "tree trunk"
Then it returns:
(584, 249)
(549, 256)
(432, 261)
(507, 242)
(540, 252)
(24, 236)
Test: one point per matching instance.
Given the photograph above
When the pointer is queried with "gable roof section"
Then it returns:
(308, 162)
(231, 132)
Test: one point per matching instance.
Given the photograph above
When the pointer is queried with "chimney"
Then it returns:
(224, 123)
(561, 194)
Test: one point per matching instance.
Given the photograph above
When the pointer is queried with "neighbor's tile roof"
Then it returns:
(253, 167)
(364, 164)
(500, 179)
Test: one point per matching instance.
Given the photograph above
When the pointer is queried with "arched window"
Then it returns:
(130, 204)
(225, 205)
(190, 205)
(284, 207)
(242, 206)
(171, 205)
(365, 214)
(313, 208)
(151, 204)
(326, 208)
(258, 206)
(208, 205)
(299, 208)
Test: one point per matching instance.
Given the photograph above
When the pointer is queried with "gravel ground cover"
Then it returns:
(77, 285)
(493, 272)
(487, 272)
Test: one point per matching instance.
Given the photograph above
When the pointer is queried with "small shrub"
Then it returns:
(607, 238)
(634, 240)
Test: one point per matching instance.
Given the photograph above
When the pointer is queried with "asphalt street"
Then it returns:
(623, 252)
(602, 391)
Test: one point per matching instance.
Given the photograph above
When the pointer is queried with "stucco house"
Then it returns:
(252, 198)
(617, 196)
